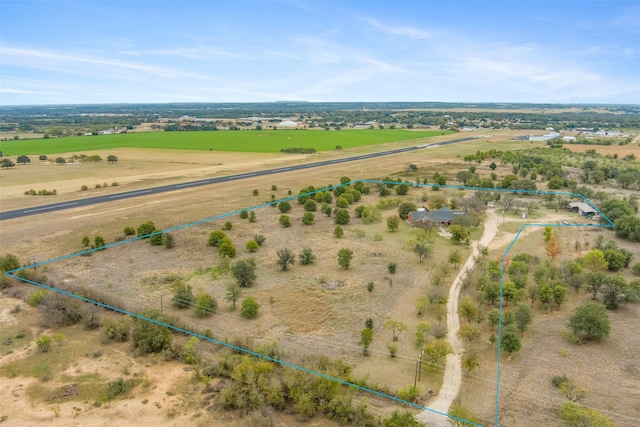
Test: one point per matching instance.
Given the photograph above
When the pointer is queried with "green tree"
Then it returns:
(628, 227)
(454, 257)
(252, 246)
(393, 223)
(338, 232)
(396, 328)
(168, 240)
(151, 337)
(249, 308)
(422, 330)
(226, 249)
(559, 294)
(344, 258)
(468, 309)
(341, 217)
(286, 257)
(590, 322)
(145, 229)
(216, 237)
(310, 205)
(436, 352)
(205, 305)
(233, 294)
(307, 256)
(244, 272)
(402, 189)
(470, 361)
(308, 218)
(9, 262)
(615, 291)
(366, 338)
(182, 295)
(23, 159)
(459, 233)
(524, 317)
(493, 317)
(112, 159)
(401, 419)
(594, 281)
(44, 343)
(285, 221)
(156, 239)
(510, 341)
(7, 163)
(421, 246)
(594, 260)
(469, 334)
(405, 208)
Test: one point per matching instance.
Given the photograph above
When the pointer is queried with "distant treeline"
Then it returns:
(298, 150)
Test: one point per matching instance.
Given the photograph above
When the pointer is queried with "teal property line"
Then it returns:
(272, 203)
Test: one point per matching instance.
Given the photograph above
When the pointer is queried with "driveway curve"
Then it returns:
(453, 369)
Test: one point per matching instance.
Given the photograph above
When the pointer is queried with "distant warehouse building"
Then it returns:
(547, 137)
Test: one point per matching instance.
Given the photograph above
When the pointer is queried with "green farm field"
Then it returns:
(238, 141)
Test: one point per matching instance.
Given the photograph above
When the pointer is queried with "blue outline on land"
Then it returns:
(609, 224)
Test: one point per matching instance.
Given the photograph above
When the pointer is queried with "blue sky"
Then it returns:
(54, 52)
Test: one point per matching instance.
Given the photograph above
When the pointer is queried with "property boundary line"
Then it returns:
(11, 273)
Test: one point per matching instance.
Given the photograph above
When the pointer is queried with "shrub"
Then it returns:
(116, 331)
(392, 267)
(60, 310)
(308, 218)
(149, 337)
(168, 240)
(44, 343)
(227, 226)
(216, 237)
(146, 229)
(36, 297)
(260, 239)
(244, 214)
(249, 308)
(156, 239)
(129, 231)
(227, 249)
(252, 246)
(205, 306)
(182, 296)
(285, 221)
(84, 188)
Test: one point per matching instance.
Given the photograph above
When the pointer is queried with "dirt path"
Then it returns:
(453, 370)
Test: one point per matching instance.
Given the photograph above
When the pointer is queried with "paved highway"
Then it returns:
(18, 213)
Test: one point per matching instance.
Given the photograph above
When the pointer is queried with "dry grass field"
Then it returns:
(302, 309)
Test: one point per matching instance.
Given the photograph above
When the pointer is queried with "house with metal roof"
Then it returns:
(582, 208)
(442, 216)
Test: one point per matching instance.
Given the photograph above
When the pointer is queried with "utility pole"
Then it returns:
(420, 364)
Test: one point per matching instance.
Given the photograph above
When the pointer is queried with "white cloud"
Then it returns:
(395, 30)
(67, 62)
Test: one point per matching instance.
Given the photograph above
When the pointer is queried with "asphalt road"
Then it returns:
(18, 213)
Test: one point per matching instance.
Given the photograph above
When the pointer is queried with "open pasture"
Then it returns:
(269, 141)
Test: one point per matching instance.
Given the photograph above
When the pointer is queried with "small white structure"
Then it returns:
(287, 124)
(569, 138)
